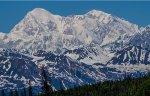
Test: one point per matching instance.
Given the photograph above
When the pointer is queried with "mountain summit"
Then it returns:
(97, 13)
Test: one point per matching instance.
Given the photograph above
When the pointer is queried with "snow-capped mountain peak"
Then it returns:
(41, 14)
(97, 13)
(39, 10)
(2, 35)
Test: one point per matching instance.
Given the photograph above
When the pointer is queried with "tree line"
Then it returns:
(128, 86)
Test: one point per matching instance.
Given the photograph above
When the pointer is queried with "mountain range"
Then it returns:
(76, 50)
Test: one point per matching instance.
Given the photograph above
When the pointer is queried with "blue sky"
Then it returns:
(137, 12)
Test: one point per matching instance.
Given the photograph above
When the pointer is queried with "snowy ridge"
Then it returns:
(142, 39)
(131, 55)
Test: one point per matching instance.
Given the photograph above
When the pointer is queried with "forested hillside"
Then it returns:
(127, 87)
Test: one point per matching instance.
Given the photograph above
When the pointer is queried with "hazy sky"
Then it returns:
(137, 12)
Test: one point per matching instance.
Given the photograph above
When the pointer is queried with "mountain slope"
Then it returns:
(142, 39)
(72, 72)
(131, 55)
(17, 69)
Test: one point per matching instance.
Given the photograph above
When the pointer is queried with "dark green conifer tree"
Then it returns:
(24, 91)
(16, 92)
(47, 88)
(30, 89)
(3, 92)
(11, 92)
